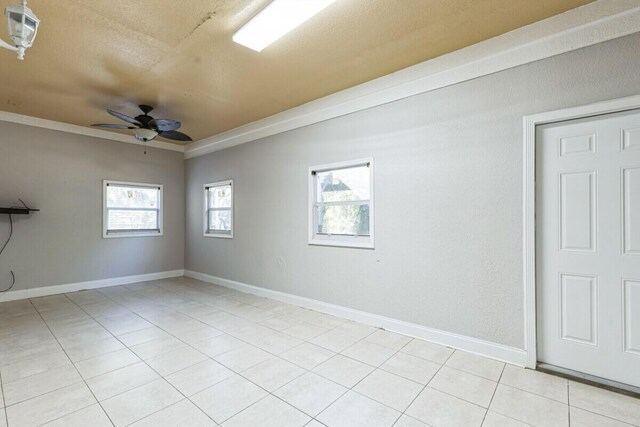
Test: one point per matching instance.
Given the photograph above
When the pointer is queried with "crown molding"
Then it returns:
(581, 27)
(5, 116)
(593, 23)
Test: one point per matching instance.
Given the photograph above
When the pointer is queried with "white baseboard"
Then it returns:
(93, 284)
(501, 352)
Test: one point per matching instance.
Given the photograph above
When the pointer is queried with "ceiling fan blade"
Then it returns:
(111, 126)
(124, 117)
(175, 135)
(164, 124)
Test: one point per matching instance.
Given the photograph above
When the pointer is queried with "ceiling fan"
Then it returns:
(146, 128)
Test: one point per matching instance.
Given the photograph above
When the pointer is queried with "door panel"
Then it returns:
(588, 245)
(632, 316)
(578, 145)
(577, 211)
(631, 139)
(631, 201)
(578, 298)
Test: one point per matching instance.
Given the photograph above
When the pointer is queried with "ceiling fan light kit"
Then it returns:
(145, 135)
(146, 128)
(23, 27)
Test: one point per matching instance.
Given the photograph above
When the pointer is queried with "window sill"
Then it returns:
(132, 234)
(219, 235)
(362, 244)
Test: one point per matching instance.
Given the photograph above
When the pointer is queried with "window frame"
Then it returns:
(351, 241)
(206, 230)
(131, 233)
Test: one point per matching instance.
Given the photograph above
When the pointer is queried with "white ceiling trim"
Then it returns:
(81, 130)
(587, 25)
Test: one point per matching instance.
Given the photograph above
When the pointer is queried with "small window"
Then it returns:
(131, 209)
(218, 212)
(341, 204)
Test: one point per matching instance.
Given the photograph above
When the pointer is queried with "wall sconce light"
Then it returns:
(23, 27)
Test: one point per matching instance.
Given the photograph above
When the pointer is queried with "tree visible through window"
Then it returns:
(342, 203)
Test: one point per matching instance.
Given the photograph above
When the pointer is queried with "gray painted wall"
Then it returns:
(448, 188)
(62, 174)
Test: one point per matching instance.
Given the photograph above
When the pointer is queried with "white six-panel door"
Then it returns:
(588, 245)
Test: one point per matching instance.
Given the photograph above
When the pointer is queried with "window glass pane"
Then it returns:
(343, 219)
(343, 184)
(132, 220)
(220, 220)
(220, 197)
(132, 197)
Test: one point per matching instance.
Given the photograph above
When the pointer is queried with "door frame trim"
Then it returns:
(529, 201)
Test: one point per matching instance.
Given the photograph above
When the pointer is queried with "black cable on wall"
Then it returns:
(13, 276)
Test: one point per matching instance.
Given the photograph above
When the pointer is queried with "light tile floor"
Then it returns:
(180, 352)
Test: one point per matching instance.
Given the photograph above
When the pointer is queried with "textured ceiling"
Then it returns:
(178, 55)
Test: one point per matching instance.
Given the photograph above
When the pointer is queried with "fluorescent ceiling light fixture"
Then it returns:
(276, 20)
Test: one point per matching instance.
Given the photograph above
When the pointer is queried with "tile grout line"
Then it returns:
(78, 410)
(524, 391)
(399, 351)
(509, 386)
(188, 297)
(211, 358)
(533, 393)
(466, 401)
(74, 367)
(141, 360)
(409, 379)
(28, 376)
(426, 385)
(310, 371)
(255, 323)
(569, 401)
(240, 373)
(4, 403)
(605, 416)
(276, 355)
(348, 389)
(495, 390)
(307, 371)
(376, 368)
(313, 418)
(166, 407)
(206, 324)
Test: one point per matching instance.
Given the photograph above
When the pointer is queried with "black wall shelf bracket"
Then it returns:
(17, 211)
(14, 210)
